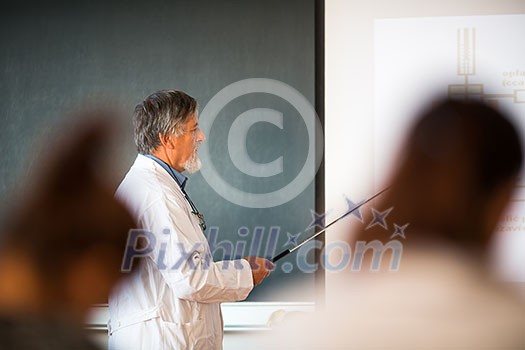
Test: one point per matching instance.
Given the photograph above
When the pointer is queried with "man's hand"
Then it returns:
(261, 268)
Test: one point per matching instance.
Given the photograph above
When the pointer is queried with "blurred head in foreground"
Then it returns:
(62, 245)
(454, 178)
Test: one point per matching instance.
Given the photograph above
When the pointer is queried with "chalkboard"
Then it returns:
(56, 56)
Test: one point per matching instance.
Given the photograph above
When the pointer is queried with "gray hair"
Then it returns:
(161, 113)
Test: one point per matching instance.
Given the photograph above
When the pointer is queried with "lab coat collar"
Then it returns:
(178, 177)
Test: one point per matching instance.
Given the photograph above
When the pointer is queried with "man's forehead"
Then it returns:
(193, 119)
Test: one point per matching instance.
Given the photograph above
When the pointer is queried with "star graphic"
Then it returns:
(292, 239)
(379, 218)
(351, 206)
(399, 231)
(317, 220)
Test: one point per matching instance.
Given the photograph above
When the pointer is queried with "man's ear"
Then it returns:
(167, 140)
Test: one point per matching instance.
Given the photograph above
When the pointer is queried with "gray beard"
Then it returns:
(193, 164)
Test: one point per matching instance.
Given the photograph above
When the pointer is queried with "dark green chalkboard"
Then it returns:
(56, 56)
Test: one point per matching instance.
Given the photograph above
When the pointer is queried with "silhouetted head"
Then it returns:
(70, 229)
(459, 167)
(456, 174)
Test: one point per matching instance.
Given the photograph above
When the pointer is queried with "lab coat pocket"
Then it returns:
(189, 335)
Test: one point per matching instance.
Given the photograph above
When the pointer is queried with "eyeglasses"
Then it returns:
(194, 132)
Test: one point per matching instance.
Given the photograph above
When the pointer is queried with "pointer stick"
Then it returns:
(288, 251)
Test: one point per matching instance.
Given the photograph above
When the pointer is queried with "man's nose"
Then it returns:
(200, 135)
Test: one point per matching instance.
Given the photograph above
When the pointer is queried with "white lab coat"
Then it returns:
(178, 308)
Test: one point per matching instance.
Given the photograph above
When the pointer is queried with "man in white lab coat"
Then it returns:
(172, 299)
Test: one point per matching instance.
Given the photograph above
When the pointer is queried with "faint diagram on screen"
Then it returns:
(470, 89)
(467, 58)
(466, 69)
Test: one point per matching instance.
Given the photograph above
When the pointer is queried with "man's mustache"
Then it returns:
(198, 144)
